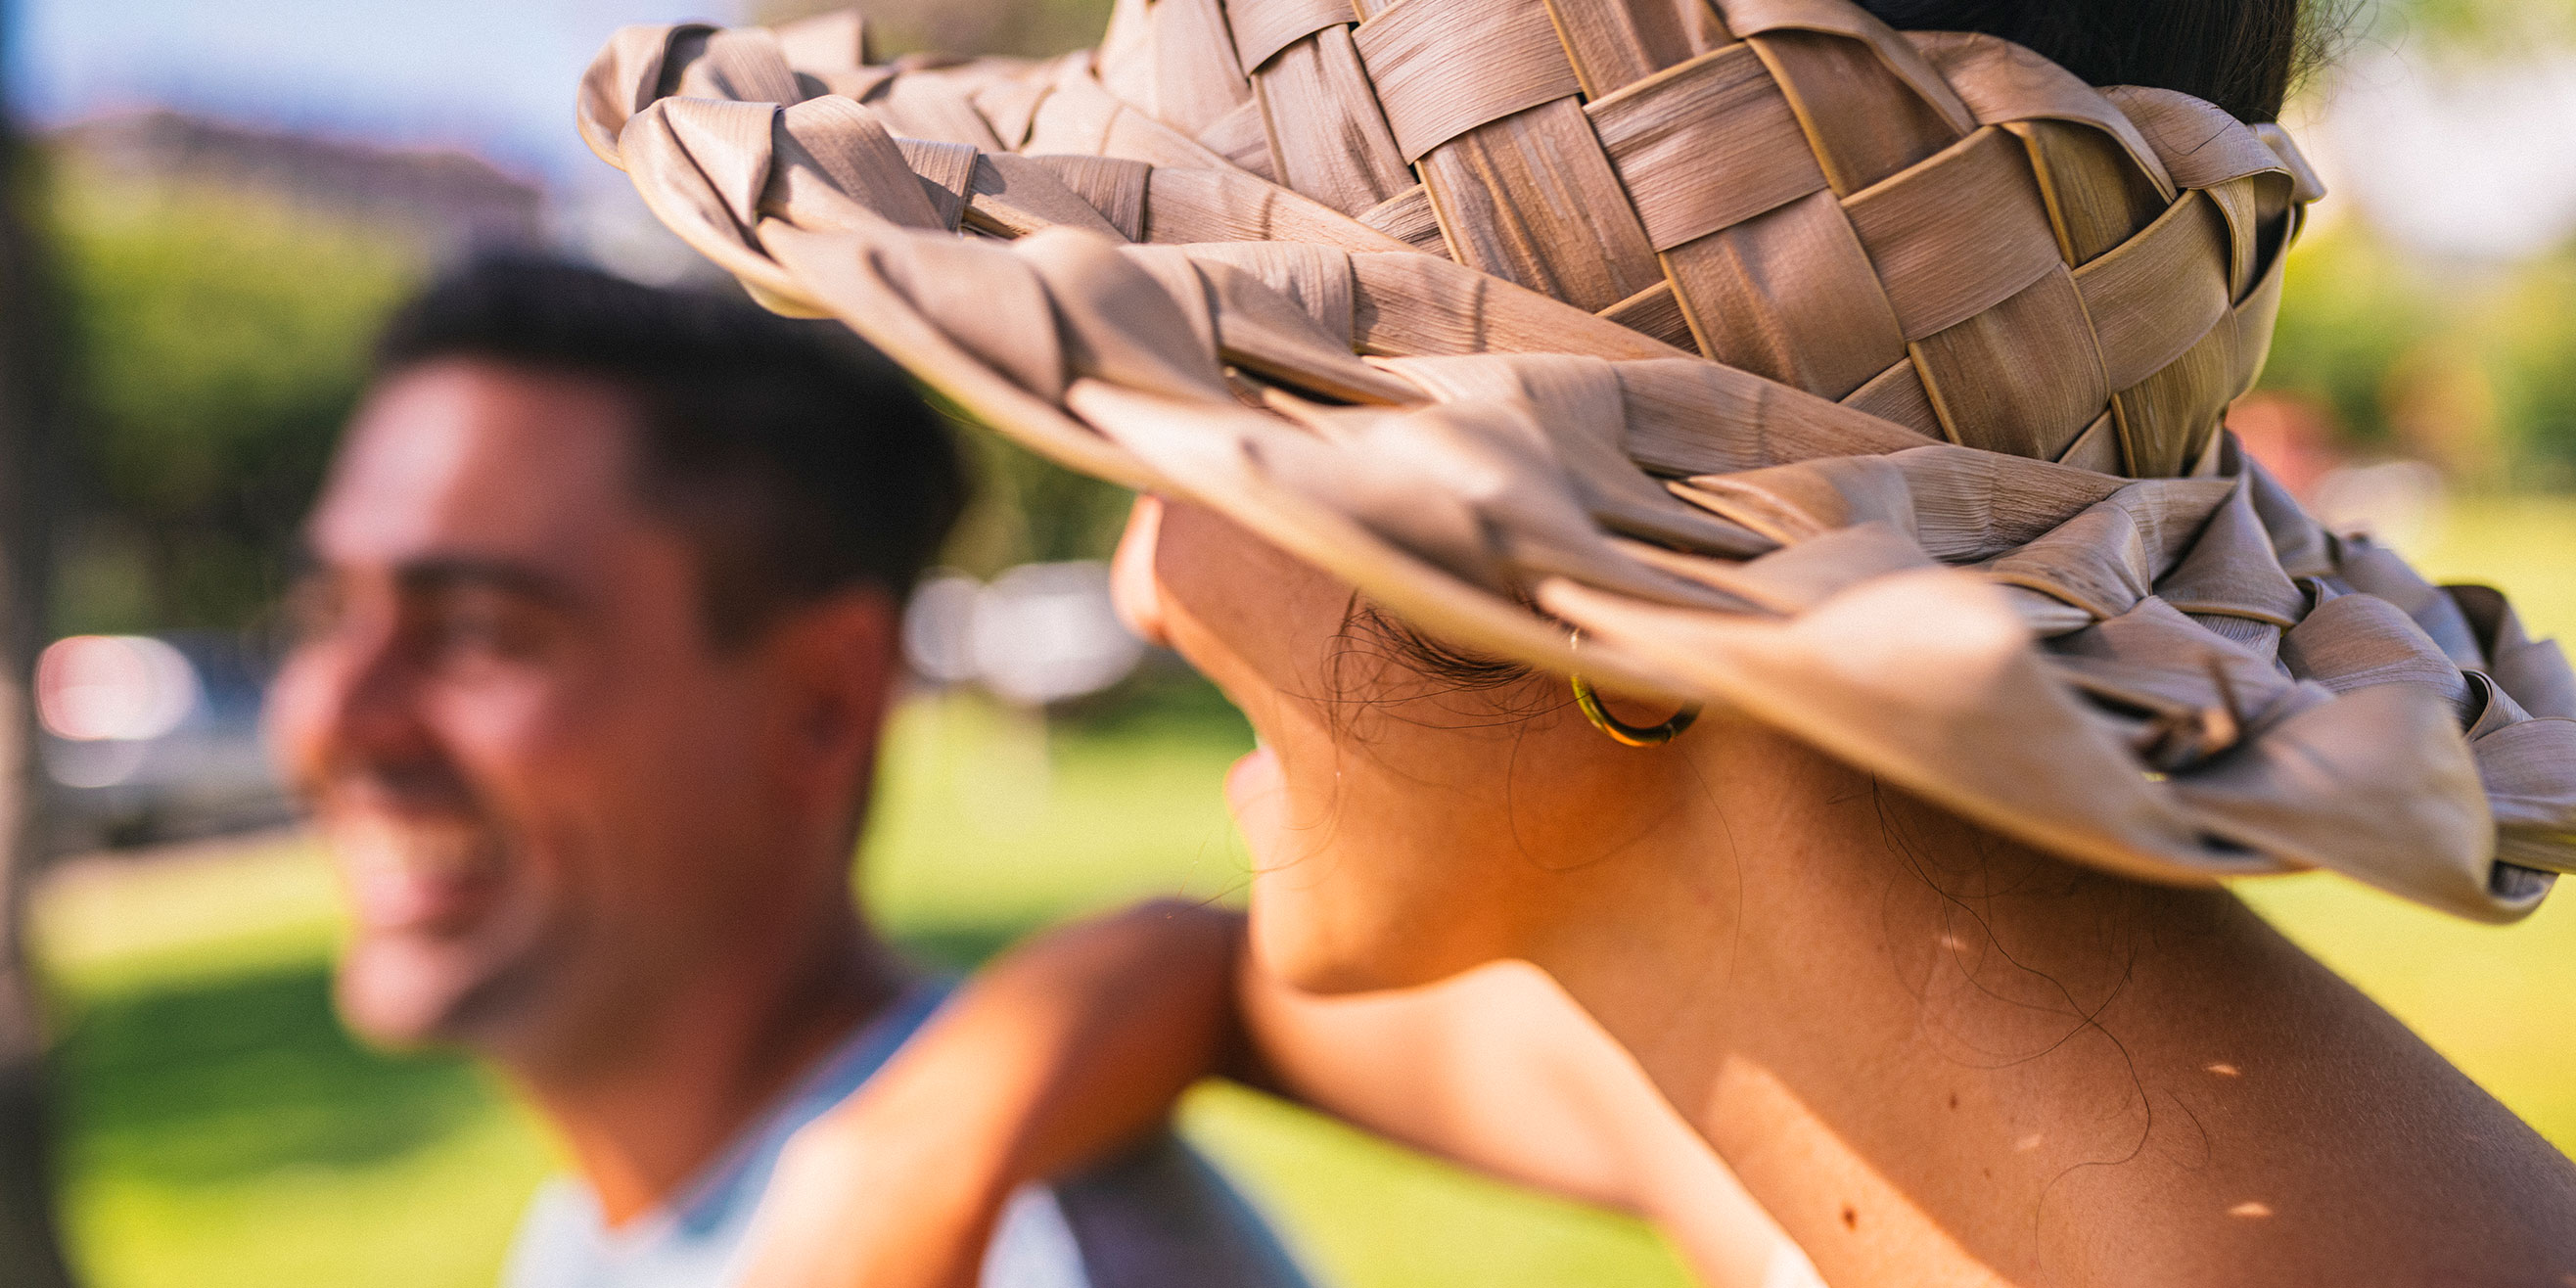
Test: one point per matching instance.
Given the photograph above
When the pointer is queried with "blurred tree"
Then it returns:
(220, 339)
(1028, 509)
(2440, 401)
(2349, 310)
(30, 1253)
(2534, 354)
(2464, 365)
(2479, 24)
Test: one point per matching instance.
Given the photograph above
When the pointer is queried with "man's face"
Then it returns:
(544, 787)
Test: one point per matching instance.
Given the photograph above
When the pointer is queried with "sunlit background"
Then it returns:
(233, 192)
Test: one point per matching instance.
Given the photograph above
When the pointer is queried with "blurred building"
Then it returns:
(450, 202)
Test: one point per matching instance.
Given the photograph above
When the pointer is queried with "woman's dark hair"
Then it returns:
(798, 460)
(2239, 54)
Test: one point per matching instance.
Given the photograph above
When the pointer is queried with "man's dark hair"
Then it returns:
(2239, 54)
(800, 460)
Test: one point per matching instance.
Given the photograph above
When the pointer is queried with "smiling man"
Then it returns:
(594, 658)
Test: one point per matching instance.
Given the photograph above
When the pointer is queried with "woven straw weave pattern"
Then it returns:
(1869, 383)
(1987, 250)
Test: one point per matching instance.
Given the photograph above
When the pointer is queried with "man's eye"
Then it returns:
(471, 628)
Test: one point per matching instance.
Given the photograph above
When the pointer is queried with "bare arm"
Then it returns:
(1051, 1058)
(1074, 1044)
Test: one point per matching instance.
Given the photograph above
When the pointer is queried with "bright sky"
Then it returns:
(496, 76)
(2471, 160)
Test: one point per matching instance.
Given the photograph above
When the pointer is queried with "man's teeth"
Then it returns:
(422, 853)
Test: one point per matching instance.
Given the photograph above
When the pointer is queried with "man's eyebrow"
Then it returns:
(450, 572)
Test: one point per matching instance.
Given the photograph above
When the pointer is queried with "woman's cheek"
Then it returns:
(1248, 614)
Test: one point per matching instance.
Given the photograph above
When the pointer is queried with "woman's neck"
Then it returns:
(1940, 1057)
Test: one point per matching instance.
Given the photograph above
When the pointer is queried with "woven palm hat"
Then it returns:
(1868, 383)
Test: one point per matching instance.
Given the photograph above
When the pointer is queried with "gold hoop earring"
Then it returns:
(1620, 731)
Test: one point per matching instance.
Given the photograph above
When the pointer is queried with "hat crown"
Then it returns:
(1943, 229)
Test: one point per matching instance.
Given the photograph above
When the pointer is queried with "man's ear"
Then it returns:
(837, 660)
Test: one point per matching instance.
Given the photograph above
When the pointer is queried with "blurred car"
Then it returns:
(148, 738)
(1038, 634)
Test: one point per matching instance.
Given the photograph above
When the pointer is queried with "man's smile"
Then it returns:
(421, 875)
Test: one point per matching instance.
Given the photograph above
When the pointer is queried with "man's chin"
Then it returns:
(400, 992)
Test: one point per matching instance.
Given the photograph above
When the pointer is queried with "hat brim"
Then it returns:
(2034, 645)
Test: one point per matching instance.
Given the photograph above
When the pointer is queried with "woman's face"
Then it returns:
(1402, 828)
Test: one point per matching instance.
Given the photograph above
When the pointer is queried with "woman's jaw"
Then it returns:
(1401, 830)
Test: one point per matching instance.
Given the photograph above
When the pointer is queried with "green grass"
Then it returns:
(2524, 545)
(221, 1129)
(985, 819)
(221, 1132)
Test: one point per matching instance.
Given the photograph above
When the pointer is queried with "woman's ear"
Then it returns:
(1132, 589)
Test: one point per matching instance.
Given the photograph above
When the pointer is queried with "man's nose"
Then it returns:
(347, 701)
